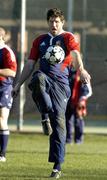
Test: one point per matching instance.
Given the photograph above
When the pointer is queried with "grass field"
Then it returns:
(28, 153)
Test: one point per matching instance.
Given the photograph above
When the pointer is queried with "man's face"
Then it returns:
(55, 25)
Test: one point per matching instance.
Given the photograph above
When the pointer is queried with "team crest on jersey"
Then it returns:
(58, 43)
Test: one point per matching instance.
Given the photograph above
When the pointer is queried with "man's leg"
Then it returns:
(46, 126)
(40, 88)
(79, 130)
(40, 93)
(58, 137)
(4, 132)
(69, 123)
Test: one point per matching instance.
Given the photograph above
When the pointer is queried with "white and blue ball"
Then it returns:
(55, 54)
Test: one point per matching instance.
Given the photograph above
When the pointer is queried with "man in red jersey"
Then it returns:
(50, 84)
(7, 73)
(76, 108)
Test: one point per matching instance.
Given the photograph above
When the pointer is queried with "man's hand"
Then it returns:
(85, 76)
(81, 109)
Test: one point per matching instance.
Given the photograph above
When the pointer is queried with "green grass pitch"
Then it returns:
(27, 158)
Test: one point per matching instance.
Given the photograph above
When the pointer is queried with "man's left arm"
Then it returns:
(78, 65)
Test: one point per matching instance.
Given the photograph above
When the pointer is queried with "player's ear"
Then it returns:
(63, 22)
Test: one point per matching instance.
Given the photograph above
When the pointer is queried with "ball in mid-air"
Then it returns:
(55, 54)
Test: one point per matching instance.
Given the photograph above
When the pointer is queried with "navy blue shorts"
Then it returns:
(5, 96)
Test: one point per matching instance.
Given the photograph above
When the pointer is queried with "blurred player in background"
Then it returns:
(76, 108)
(8, 69)
(50, 84)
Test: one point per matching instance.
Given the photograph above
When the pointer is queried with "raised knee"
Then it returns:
(41, 79)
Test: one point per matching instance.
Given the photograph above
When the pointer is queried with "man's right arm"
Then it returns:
(26, 72)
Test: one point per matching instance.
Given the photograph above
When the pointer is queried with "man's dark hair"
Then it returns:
(55, 12)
